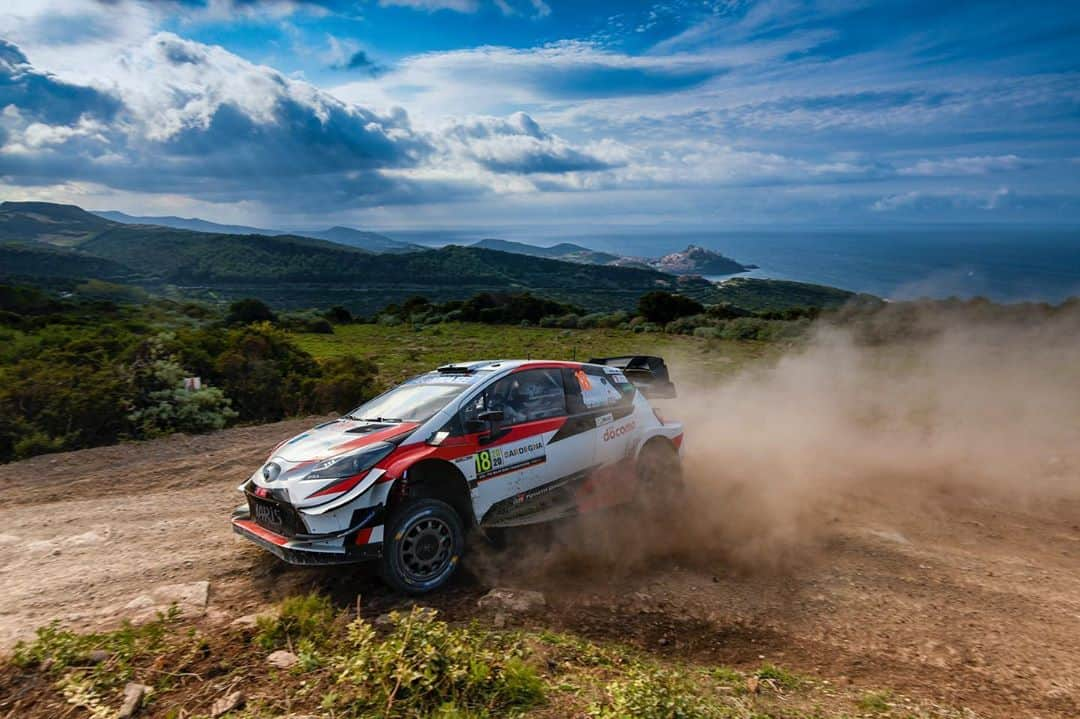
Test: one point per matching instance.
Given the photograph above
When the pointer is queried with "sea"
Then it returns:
(1002, 264)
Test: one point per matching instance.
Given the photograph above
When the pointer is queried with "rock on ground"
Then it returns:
(282, 659)
(134, 693)
(225, 704)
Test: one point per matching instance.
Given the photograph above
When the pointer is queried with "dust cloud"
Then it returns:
(905, 407)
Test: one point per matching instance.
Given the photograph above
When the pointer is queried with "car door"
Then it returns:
(517, 474)
(609, 397)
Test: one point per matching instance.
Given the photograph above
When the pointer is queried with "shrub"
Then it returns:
(346, 382)
(264, 374)
(662, 307)
(711, 333)
(425, 667)
(248, 311)
(726, 311)
(687, 325)
(338, 315)
(659, 694)
(307, 321)
(307, 617)
(162, 404)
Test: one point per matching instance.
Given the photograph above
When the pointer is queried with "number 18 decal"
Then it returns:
(487, 461)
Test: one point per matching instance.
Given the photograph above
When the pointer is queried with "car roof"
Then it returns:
(504, 364)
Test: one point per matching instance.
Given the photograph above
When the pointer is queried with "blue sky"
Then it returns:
(500, 113)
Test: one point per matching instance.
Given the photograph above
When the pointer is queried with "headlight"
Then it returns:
(351, 464)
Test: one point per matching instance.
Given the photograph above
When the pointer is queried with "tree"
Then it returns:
(249, 311)
(663, 307)
(339, 315)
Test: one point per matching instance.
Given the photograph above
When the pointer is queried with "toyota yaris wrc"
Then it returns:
(482, 444)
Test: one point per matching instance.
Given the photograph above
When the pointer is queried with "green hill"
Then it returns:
(370, 241)
(185, 257)
(48, 222)
(759, 295)
(45, 240)
(562, 251)
(31, 260)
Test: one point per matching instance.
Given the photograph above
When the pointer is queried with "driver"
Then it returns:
(530, 400)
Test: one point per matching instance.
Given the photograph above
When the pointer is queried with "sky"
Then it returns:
(541, 113)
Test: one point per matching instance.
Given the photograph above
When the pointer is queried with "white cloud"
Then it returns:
(953, 166)
(466, 6)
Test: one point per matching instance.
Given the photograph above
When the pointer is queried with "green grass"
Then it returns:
(402, 351)
(414, 665)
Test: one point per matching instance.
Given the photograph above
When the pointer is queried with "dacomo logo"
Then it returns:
(613, 432)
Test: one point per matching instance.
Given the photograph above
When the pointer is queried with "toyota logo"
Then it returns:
(271, 471)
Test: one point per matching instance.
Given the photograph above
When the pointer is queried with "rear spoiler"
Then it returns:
(648, 374)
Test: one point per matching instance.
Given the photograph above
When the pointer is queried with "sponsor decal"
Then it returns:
(605, 419)
(614, 432)
(583, 380)
(500, 460)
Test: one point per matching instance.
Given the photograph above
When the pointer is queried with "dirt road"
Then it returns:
(947, 597)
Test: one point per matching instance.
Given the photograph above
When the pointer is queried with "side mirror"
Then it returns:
(485, 422)
(490, 420)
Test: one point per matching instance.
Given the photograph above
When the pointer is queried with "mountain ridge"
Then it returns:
(348, 236)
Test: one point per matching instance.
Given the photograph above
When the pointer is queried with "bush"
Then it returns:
(662, 307)
(338, 315)
(726, 311)
(162, 404)
(687, 325)
(248, 311)
(659, 694)
(308, 321)
(346, 383)
(425, 667)
(264, 374)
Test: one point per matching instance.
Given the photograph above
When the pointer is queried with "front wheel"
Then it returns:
(423, 544)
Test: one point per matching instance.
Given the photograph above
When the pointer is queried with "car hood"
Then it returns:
(337, 437)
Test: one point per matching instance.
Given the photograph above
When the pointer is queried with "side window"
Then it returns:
(521, 397)
(599, 391)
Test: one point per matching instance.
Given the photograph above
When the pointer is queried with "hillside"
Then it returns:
(183, 223)
(191, 257)
(760, 295)
(370, 241)
(28, 260)
(562, 251)
(62, 225)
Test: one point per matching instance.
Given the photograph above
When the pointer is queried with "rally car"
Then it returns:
(482, 444)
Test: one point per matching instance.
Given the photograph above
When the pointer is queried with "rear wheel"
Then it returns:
(660, 479)
(423, 544)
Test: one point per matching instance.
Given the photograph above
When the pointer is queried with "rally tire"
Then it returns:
(660, 478)
(424, 542)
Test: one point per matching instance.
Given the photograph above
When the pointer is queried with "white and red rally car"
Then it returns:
(482, 444)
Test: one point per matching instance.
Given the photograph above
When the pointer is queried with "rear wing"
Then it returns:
(648, 374)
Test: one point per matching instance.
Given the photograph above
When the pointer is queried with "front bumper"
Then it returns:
(350, 547)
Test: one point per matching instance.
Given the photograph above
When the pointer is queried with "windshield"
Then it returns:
(408, 403)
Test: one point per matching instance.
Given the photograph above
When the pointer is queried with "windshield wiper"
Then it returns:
(393, 420)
